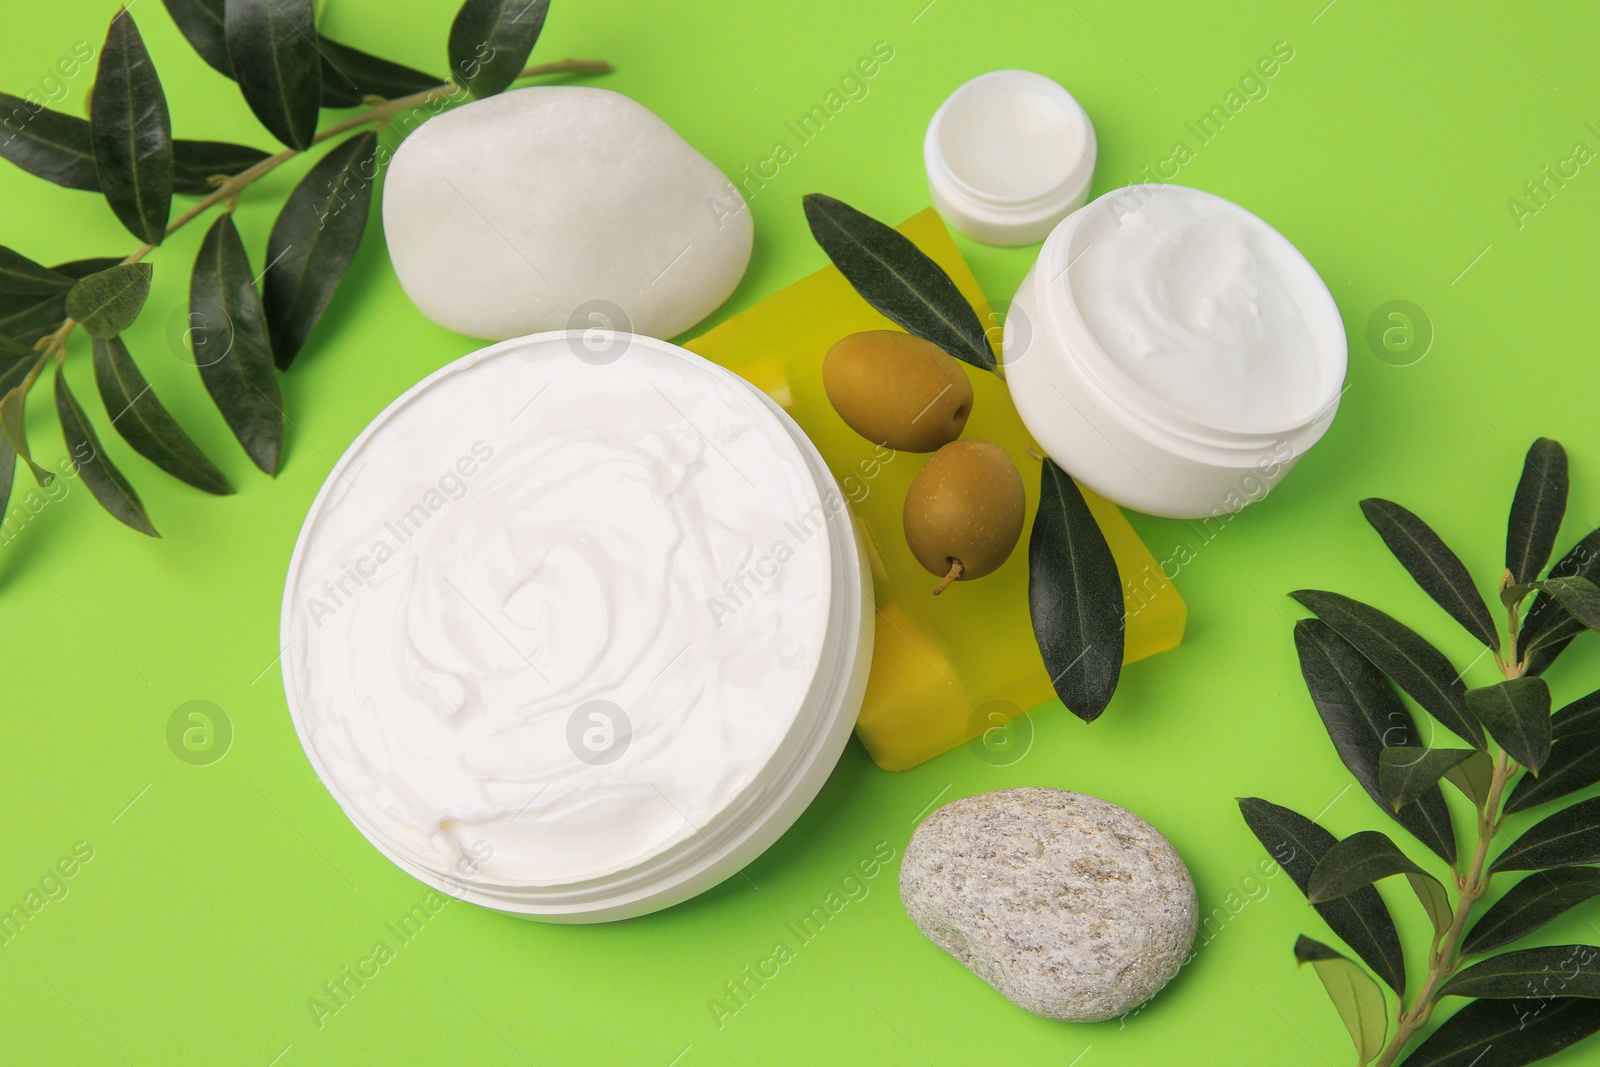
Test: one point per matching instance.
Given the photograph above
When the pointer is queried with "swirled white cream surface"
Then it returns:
(552, 614)
(1196, 299)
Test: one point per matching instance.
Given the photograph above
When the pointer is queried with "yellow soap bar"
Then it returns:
(946, 668)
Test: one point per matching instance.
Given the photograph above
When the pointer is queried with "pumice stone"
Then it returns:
(1073, 908)
(561, 207)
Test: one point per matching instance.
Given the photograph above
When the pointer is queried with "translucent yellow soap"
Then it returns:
(941, 665)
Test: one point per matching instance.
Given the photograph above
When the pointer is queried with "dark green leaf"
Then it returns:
(1356, 996)
(12, 350)
(349, 75)
(228, 329)
(1474, 777)
(195, 163)
(145, 424)
(21, 276)
(16, 378)
(1516, 713)
(48, 144)
(1435, 567)
(26, 323)
(898, 279)
(201, 21)
(1401, 653)
(1532, 903)
(1498, 1033)
(1582, 716)
(105, 482)
(8, 471)
(1547, 629)
(1536, 510)
(1361, 919)
(273, 47)
(1531, 974)
(314, 240)
(490, 41)
(107, 303)
(1363, 715)
(1571, 836)
(1074, 597)
(82, 268)
(1579, 596)
(1574, 764)
(1406, 773)
(132, 133)
(1367, 857)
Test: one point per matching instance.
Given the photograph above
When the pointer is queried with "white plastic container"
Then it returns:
(1009, 155)
(579, 680)
(1148, 424)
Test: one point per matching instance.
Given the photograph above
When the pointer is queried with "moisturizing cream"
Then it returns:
(1173, 351)
(577, 626)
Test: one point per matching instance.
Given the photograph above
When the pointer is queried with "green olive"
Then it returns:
(897, 390)
(964, 511)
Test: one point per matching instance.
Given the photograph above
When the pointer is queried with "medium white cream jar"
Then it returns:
(577, 627)
(1173, 352)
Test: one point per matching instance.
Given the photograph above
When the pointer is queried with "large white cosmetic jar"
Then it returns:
(1173, 352)
(577, 627)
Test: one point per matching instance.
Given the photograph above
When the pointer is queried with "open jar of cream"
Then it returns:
(577, 627)
(1173, 352)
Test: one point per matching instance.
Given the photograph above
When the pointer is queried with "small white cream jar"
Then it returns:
(577, 627)
(1173, 352)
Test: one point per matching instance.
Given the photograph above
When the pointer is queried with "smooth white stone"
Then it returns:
(561, 207)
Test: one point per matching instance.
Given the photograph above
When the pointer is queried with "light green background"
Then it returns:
(226, 895)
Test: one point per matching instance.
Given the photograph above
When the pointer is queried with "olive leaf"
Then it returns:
(1358, 999)
(350, 75)
(898, 279)
(48, 144)
(145, 424)
(1367, 857)
(1531, 904)
(1570, 836)
(1406, 772)
(1473, 776)
(1401, 653)
(228, 329)
(8, 471)
(1573, 764)
(1516, 713)
(1531, 973)
(15, 381)
(1547, 628)
(21, 276)
(78, 269)
(490, 41)
(314, 240)
(272, 45)
(1074, 597)
(106, 483)
(1582, 716)
(1536, 510)
(1363, 716)
(1517, 1034)
(1437, 569)
(195, 163)
(202, 23)
(1361, 919)
(131, 133)
(1579, 596)
(106, 303)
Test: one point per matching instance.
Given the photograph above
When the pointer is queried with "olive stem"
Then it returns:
(956, 567)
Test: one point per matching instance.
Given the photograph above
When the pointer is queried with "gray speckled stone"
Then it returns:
(1073, 908)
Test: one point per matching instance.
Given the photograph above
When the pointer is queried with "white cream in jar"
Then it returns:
(575, 630)
(1173, 351)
